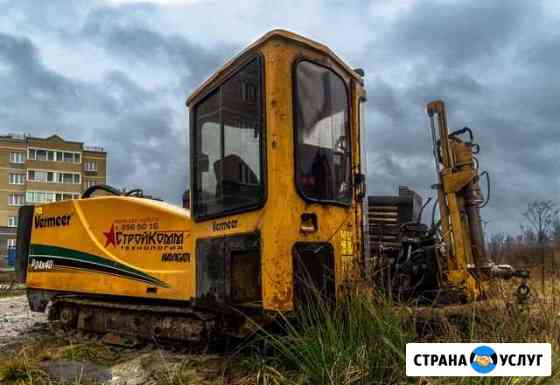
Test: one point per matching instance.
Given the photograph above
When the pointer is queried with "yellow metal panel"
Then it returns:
(124, 233)
(454, 182)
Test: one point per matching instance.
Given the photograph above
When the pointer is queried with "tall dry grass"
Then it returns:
(362, 340)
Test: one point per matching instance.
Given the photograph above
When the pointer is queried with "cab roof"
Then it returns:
(274, 34)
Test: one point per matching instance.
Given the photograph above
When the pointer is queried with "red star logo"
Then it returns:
(110, 237)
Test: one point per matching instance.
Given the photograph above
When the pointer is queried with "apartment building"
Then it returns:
(37, 170)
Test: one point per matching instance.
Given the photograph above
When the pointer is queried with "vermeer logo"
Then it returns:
(54, 221)
(469, 360)
(226, 225)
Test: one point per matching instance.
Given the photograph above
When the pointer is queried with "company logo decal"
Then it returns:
(474, 360)
(143, 235)
(53, 221)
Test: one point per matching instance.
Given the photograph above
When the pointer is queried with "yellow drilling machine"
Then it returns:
(277, 193)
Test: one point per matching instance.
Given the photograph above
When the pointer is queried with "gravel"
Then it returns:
(20, 326)
(16, 320)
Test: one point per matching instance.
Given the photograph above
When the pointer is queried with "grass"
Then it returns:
(11, 293)
(355, 342)
(362, 341)
(23, 367)
(21, 371)
(358, 341)
(88, 352)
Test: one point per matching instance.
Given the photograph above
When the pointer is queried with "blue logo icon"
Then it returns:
(483, 359)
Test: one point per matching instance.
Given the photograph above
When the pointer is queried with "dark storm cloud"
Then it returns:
(135, 42)
(495, 71)
(494, 64)
(30, 92)
(139, 131)
(455, 34)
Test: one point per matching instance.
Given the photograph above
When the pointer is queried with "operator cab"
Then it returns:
(275, 155)
(228, 139)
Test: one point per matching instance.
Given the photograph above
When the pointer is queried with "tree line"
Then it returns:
(536, 242)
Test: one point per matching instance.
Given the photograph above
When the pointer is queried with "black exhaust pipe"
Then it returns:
(25, 223)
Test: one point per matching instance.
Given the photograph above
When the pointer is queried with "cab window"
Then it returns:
(322, 134)
(228, 146)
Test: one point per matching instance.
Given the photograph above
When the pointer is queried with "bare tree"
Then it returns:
(556, 229)
(496, 246)
(541, 216)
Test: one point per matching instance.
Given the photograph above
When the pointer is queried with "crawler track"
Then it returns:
(145, 322)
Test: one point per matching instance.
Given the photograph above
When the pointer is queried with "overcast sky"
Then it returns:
(117, 73)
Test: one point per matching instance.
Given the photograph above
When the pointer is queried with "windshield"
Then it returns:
(228, 174)
(322, 148)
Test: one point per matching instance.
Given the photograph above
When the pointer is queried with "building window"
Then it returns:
(91, 165)
(69, 178)
(49, 196)
(12, 221)
(16, 157)
(40, 196)
(37, 176)
(16, 199)
(43, 176)
(90, 183)
(41, 154)
(54, 156)
(11, 243)
(17, 179)
(66, 196)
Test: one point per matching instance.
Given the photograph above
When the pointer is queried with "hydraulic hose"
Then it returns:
(137, 192)
(103, 187)
(487, 188)
(422, 209)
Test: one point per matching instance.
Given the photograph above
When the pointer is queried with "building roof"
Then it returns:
(25, 138)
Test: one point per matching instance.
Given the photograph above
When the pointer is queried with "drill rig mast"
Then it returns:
(446, 262)
(459, 198)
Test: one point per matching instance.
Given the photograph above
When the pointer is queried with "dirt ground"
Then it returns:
(16, 320)
(26, 339)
